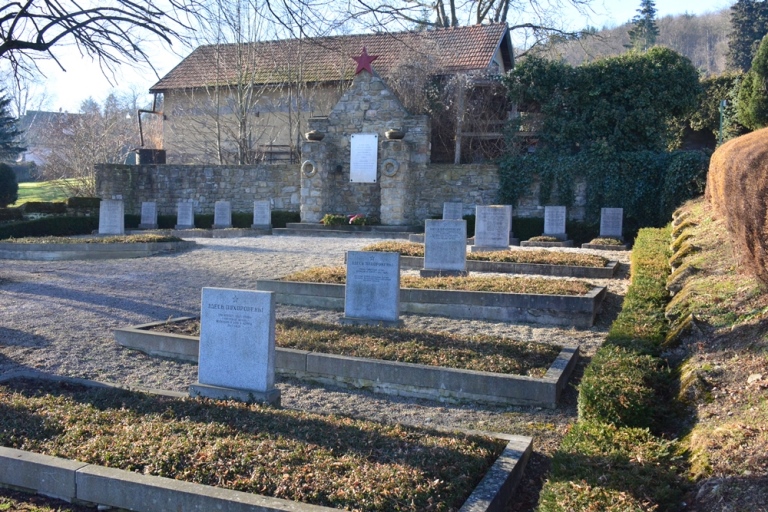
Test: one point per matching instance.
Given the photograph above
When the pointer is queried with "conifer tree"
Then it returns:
(644, 31)
(752, 105)
(749, 23)
(9, 133)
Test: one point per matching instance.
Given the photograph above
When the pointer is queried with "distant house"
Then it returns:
(241, 103)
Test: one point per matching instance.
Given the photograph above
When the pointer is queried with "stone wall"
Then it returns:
(201, 184)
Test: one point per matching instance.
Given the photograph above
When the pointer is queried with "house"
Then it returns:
(245, 103)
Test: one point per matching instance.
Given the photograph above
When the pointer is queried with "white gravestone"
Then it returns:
(364, 155)
(185, 215)
(262, 215)
(237, 346)
(111, 217)
(554, 222)
(372, 293)
(148, 215)
(611, 223)
(445, 248)
(222, 215)
(453, 211)
(492, 227)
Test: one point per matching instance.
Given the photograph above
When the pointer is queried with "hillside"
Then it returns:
(703, 39)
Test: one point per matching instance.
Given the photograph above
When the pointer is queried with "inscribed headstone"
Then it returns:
(445, 244)
(237, 339)
(111, 217)
(222, 215)
(363, 157)
(453, 211)
(554, 221)
(373, 286)
(492, 226)
(148, 215)
(611, 222)
(185, 215)
(262, 215)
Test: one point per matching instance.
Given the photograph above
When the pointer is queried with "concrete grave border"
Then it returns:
(602, 247)
(389, 377)
(62, 252)
(563, 310)
(79, 482)
(564, 243)
(606, 272)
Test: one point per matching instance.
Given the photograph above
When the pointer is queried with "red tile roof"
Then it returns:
(453, 50)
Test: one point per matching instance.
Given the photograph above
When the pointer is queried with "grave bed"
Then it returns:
(602, 247)
(563, 310)
(606, 272)
(405, 379)
(85, 251)
(565, 243)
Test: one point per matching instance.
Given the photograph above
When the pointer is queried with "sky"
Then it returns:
(83, 78)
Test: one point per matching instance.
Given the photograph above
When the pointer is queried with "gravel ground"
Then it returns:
(57, 318)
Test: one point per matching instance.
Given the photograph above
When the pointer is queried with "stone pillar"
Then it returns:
(394, 177)
(314, 172)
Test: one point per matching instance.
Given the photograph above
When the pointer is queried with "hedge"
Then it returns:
(50, 226)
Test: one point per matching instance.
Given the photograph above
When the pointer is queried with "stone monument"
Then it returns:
(262, 215)
(445, 248)
(453, 211)
(148, 215)
(237, 346)
(612, 223)
(185, 215)
(493, 225)
(372, 292)
(554, 222)
(111, 217)
(222, 215)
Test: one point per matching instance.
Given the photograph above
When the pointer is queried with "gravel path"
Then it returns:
(57, 318)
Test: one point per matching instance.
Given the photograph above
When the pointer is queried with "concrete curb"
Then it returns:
(563, 310)
(75, 481)
(601, 247)
(404, 379)
(564, 243)
(61, 252)
(209, 233)
(606, 272)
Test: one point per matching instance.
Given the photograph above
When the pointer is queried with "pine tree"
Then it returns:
(644, 31)
(752, 105)
(749, 23)
(9, 187)
(9, 133)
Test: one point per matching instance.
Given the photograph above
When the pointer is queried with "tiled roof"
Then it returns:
(453, 50)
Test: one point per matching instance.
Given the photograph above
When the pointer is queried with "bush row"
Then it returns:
(613, 459)
(50, 226)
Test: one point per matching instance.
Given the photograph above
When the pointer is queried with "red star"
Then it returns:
(364, 61)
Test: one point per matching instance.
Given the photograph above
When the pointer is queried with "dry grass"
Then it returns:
(529, 285)
(125, 239)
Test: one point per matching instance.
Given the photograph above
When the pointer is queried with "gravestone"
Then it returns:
(493, 225)
(237, 346)
(372, 292)
(612, 223)
(185, 215)
(453, 211)
(554, 222)
(148, 215)
(222, 215)
(445, 248)
(262, 215)
(111, 217)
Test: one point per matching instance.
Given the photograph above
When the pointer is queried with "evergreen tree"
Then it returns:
(9, 187)
(749, 23)
(644, 31)
(9, 133)
(752, 106)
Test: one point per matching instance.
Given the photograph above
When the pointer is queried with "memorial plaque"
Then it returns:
(185, 215)
(445, 245)
(554, 221)
(364, 156)
(237, 339)
(453, 211)
(148, 215)
(492, 226)
(222, 215)
(262, 215)
(611, 222)
(111, 217)
(373, 286)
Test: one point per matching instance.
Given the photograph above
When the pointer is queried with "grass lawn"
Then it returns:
(40, 191)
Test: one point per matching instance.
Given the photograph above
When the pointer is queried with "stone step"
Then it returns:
(326, 232)
(313, 226)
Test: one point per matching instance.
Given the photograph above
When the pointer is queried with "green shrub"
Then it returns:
(329, 219)
(132, 221)
(44, 207)
(282, 217)
(9, 187)
(242, 220)
(10, 214)
(84, 202)
(166, 221)
(204, 220)
(50, 226)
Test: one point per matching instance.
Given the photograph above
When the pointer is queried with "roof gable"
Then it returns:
(453, 50)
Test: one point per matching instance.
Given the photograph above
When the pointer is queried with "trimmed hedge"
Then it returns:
(44, 207)
(83, 202)
(50, 226)
(10, 214)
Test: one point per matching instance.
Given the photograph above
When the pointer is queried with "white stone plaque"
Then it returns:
(373, 286)
(185, 215)
(111, 217)
(445, 244)
(364, 156)
(492, 226)
(222, 215)
(611, 222)
(148, 215)
(554, 221)
(237, 339)
(453, 211)
(262, 214)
